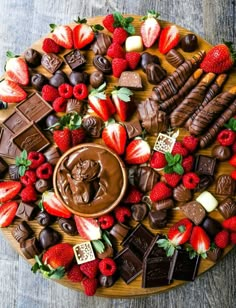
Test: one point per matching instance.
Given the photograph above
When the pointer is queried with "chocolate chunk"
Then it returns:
(96, 79)
(26, 211)
(131, 80)
(139, 211)
(78, 77)
(157, 219)
(52, 155)
(205, 182)
(31, 139)
(205, 164)
(30, 248)
(49, 237)
(139, 240)
(189, 42)
(38, 81)
(21, 232)
(106, 281)
(119, 231)
(227, 208)
(75, 59)
(221, 152)
(174, 58)
(3, 167)
(32, 57)
(128, 264)
(182, 194)
(93, 126)
(102, 64)
(146, 178)
(225, 185)
(51, 120)
(101, 44)
(194, 211)
(133, 128)
(67, 225)
(155, 73)
(34, 108)
(107, 253)
(84, 252)
(74, 105)
(147, 58)
(163, 204)
(14, 172)
(16, 122)
(7, 147)
(211, 226)
(44, 219)
(186, 268)
(214, 254)
(51, 62)
(58, 79)
(42, 185)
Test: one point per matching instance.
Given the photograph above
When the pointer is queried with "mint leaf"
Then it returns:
(178, 169)
(98, 246)
(231, 124)
(169, 157)
(22, 170)
(168, 169)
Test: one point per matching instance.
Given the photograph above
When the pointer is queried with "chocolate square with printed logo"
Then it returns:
(16, 122)
(84, 252)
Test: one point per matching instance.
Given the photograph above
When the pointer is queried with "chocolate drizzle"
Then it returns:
(101, 44)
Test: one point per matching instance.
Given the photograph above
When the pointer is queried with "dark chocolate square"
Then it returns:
(133, 129)
(3, 166)
(186, 268)
(205, 164)
(74, 59)
(7, 147)
(26, 211)
(16, 122)
(51, 62)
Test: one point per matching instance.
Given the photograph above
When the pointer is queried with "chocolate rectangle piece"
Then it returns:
(227, 208)
(133, 129)
(31, 139)
(225, 185)
(26, 211)
(34, 108)
(16, 122)
(7, 147)
(186, 268)
(131, 80)
(30, 248)
(205, 165)
(51, 62)
(74, 59)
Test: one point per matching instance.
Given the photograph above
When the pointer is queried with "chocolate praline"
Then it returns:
(44, 219)
(49, 237)
(32, 57)
(221, 152)
(106, 281)
(96, 79)
(42, 185)
(38, 81)
(102, 64)
(78, 77)
(58, 79)
(189, 42)
(67, 225)
(147, 58)
(14, 172)
(51, 120)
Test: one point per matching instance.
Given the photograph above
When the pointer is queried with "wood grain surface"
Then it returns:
(19, 288)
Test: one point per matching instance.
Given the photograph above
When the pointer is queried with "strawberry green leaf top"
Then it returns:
(46, 270)
(99, 92)
(151, 14)
(98, 246)
(123, 94)
(173, 163)
(22, 162)
(231, 124)
(71, 120)
(124, 22)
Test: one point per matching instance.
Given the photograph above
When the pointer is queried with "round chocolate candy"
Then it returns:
(42, 185)
(51, 120)
(32, 57)
(221, 152)
(189, 42)
(96, 79)
(102, 64)
(106, 281)
(38, 81)
(68, 226)
(49, 237)
(78, 77)
(44, 219)
(139, 211)
(14, 172)
(58, 78)
(147, 58)
(107, 253)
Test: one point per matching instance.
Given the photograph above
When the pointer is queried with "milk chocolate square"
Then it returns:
(74, 59)
(16, 122)
(133, 129)
(205, 164)
(51, 62)
(194, 211)
(227, 208)
(225, 185)
(7, 147)
(131, 80)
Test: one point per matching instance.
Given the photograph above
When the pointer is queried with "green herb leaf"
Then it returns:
(170, 251)
(130, 29)
(22, 170)
(169, 157)
(40, 205)
(98, 246)
(178, 169)
(168, 169)
(106, 239)
(24, 154)
(231, 124)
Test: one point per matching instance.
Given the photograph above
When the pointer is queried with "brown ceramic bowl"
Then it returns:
(90, 180)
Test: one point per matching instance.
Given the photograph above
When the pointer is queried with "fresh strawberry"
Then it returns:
(7, 213)
(172, 179)
(114, 136)
(199, 241)
(9, 190)
(230, 224)
(78, 136)
(106, 221)
(122, 213)
(11, 92)
(29, 178)
(59, 104)
(17, 69)
(121, 99)
(88, 228)
(65, 90)
(116, 20)
(232, 160)
(90, 269)
(187, 163)
(118, 66)
(60, 255)
(179, 149)
(233, 238)
(28, 194)
(219, 59)
(108, 23)
(169, 38)
(190, 180)
(54, 206)
(233, 147)
(107, 267)
(222, 239)
(50, 46)
(49, 93)
(233, 174)
(190, 143)
(36, 159)
(160, 191)
(90, 286)
(80, 91)
(226, 137)
(178, 234)
(62, 139)
(62, 35)
(74, 274)
(44, 171)
(137, 152)
(133, 195)
(150, 28)
(133, 59)
(115, 51)
(158, 160)
(119, 35)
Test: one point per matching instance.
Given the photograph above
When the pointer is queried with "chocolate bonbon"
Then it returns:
(51, 120)
(147, 58)
(30, 248)
(106, 281)
(32, 57)
(58, 79)
(42, 185)
(49, 237)
(44, 219)
(227, 208)
(96, 79)
(189, 42)
(7, 147)
(93, 126)
(205, 182)
(38, 81)
(74, 105)
(225, 185)
(163, 204)
(139, 211)
(101, 44)
(131, 80)
(205, 165)
(157, 219)
(21, 232)
(174, 58)
(107, 253)
(78, 77)
(211, 226)
(194, 211)
(51, 62)
(119, 231)
(67, 225)
(102, 64)
(52, 155)
(155, 73)
(133, 128)
(146, 178)
(214, 254)
(13, 171)
(26, 211)
(75, 59)
(221, 152)
(186, 268)
(182, 194)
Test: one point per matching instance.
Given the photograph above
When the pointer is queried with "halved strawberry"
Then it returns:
(137, 152)
(7, 213)
(169, 38)
(17, 69)
(150, 28)
(88, 228)
(199, 241)
(62, 35)
(114, 136)
(11, 92)
(8, 190)
(121, 99)
(54, 206)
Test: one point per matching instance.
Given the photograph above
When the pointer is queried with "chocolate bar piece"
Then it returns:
(101, 44)
(75, 59)
(157, 219)
(131, 80)
(133, 129)
(194, 211)
(21, 232)
(227, 208)
(3, 167)
(225, 185)
(205, 165)
(186, 268)
(16, 122)
(7, 147)
(30, 248)
(84, 252)
(26, 211)
(31, 139)
(174, 57)
(34, 108)
(51, 62)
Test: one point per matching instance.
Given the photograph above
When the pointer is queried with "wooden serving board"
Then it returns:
(121, 289)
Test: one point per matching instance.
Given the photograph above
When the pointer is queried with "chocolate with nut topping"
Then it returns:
(131, 80)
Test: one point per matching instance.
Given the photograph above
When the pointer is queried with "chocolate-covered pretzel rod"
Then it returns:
(187, 107)
(171, 85)
(212, 111)
(210, 136)
(169, 105)
(212, 92)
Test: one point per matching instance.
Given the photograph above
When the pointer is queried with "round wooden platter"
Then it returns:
(121, 289)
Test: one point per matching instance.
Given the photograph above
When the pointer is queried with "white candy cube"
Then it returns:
(134, 43)
(208, 201)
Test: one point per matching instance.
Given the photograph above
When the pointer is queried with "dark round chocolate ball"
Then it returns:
(78, 77)
(32, 57)
(96, 79)
(44, 219)
(106, 281)
(38, 81)
(221, 152)
(51, 120)
(58, 78)
(147, 58)
(42, 185)
(49, 237)
(189, 42)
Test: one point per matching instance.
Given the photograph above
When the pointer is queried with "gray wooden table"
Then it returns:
(24, 21)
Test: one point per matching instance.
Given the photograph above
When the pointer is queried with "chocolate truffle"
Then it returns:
(189, 42)
(205, 182)
(139, 211)
(131, 80)
(147, 58)
(38, 81)
(75, 59)
(119, 231)
(163, 204)
(211, 226)
(51, 120)
(26, 211)
(106, 281)
(74, 105)
(194, 211)
(133, 128)
(174, 58)
(32, 57)
(3, 167)
(221, 152)
(225, 185)
(49, 237)
(214, 254)
(182, 194)
(51, 62)
(78, 77)
(102, 64)
(42, 185)
(107, 253)
(146, 178)
(227, 208)
(58, 79)
(93, 126)
(101, 43)
(52, 155)
(157, 219)
(67, 225)
(96, 79)
(14, 172)
(21, 232)
(30, 248)
(44, 219)
(155, 73)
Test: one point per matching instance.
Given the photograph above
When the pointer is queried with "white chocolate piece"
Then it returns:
(83, 252)
(134, 43)
(208, 201)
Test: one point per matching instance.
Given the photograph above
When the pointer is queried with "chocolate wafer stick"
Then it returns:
(171, 85)
(169, 105)
(212, 132)
(187, 107)
(214, 89)
(212, 111)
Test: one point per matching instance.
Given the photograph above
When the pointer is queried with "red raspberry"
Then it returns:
(232, 161)
(28, 194)
(49, 93)
(80, 91)
(230, 224)
(108, 22)
(118, 66)
(158, 160)
(36, 159)
(115, 51)
(233, 174)
(107, 267)
(49, 45)
(190, 143)
(179, 149)
(65, 90)
(187, 163)
(133, 59)
(226, 137)
(160, 192)
(190, 180)
(44, 171)
(106, 221)
(59, 104)
(222, 239)
(74, 274)
(90, 286)
(119, 35)
(233, 147)
(78, 135)
(90, 269)
(133, 195)
(233, 238)
(122, 213)
(29, 178)
(172, 179)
